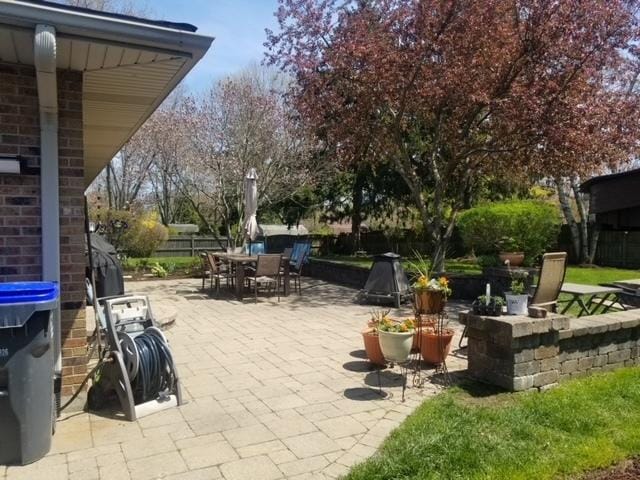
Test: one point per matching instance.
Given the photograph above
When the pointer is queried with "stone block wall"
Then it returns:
(20, 230)
(522, 353)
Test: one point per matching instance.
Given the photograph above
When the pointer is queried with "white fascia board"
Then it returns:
(94, 26)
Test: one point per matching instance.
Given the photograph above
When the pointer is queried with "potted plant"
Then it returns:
(517, 299)
(489, 306)
(430, 294)
(371, 340)
(421, 323)
(436, 344)
(510, 250)
(396, 339)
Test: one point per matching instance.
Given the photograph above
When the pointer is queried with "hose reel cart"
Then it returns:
(135, 363)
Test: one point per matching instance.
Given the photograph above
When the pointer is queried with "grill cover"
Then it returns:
(106, 267)
(387, 281)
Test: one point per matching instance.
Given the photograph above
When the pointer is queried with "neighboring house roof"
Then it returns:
(129, 65)
(184, 227)
(271, 230)
(345, 227)
(617, 191)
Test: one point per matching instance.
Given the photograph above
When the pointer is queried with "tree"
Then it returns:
(448, 92)
(239, 124)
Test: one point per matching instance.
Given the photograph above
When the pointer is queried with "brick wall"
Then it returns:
(20, 232)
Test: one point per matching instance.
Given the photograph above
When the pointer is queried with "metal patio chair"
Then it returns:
(267, 273)
(552, 272)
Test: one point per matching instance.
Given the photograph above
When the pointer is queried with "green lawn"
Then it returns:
(597, 275)
(580, 425)
(584, 275)
(182, 265)
(451, 265)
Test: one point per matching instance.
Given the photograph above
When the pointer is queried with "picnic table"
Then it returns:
(240, 260)
(591, 297)
(632, 285)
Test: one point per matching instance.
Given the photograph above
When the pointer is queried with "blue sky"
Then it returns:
(237, 25)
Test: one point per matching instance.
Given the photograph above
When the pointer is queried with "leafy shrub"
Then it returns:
(158, 270)
(530, 225)
(144, 236)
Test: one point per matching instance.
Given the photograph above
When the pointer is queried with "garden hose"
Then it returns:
(155, 372)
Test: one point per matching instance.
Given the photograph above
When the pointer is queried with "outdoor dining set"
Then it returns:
(250, 268)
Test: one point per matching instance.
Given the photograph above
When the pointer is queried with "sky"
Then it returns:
(237, 25)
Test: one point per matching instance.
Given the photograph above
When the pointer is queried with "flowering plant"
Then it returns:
(388, 325)
(380, 321)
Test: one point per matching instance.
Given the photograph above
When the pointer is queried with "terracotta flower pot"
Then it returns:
(396, 346)
(515, 258)
(429, 302)
(372, 347)
(424, 323)
(435, 348)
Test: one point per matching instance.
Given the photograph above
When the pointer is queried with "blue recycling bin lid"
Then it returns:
(28, 292)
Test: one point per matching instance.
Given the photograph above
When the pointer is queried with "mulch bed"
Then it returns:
(627, 470)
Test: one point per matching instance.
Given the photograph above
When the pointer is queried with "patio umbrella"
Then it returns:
(251, 228)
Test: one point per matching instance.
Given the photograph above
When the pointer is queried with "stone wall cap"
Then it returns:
(606, 322)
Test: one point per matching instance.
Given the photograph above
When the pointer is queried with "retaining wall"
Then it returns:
(523, 353)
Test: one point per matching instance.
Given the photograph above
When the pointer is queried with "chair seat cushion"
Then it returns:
(262, 279)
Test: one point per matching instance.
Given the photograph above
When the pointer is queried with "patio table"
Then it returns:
(240, 260)
(632, 285)
(591, 297)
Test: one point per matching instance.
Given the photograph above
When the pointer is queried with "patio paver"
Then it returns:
(274, 390)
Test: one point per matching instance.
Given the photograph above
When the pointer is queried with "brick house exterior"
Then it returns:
(84, 80)
(20, 231)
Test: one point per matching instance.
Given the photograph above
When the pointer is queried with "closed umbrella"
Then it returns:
(251, 228)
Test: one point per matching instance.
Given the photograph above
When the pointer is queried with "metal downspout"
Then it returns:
(45, 64)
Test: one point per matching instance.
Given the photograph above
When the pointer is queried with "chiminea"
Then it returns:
(387, 281)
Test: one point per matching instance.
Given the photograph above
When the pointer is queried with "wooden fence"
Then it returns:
(619, 249)
(189, 246)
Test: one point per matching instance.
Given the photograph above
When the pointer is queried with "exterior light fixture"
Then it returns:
(10, 164)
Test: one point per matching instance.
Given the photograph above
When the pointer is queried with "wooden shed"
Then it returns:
(615, 201)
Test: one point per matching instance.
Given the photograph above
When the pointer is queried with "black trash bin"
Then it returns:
(27, 412)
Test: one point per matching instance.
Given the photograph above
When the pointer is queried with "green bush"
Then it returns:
(144, 236)
(530, 226)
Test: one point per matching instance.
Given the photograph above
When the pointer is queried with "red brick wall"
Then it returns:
(20, 232)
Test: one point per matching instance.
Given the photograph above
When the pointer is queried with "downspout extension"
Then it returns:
(45, 64)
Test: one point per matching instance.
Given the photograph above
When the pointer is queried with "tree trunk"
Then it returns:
(109, 199)
(565, 206)
(582, 202)
(356, 217)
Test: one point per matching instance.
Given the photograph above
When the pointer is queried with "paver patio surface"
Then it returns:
(274, 390)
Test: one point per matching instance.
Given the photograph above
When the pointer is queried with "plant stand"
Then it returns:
(411, 369)
(440, 320)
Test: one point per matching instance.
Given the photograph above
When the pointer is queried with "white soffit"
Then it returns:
(124, 81)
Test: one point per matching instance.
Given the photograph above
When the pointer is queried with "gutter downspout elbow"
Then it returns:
(46, 66)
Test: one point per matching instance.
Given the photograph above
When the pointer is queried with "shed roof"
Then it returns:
(613, 177)
(129, 65)
(610, 193)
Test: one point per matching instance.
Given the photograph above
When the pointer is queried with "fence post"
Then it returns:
(193, 247)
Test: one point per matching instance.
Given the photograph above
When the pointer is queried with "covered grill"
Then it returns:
(387, 281)
(106, 267)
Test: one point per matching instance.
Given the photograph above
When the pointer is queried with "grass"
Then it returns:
(365, 262)
(597, 275)
(172, 265)
(579, 426)
(575, 274)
